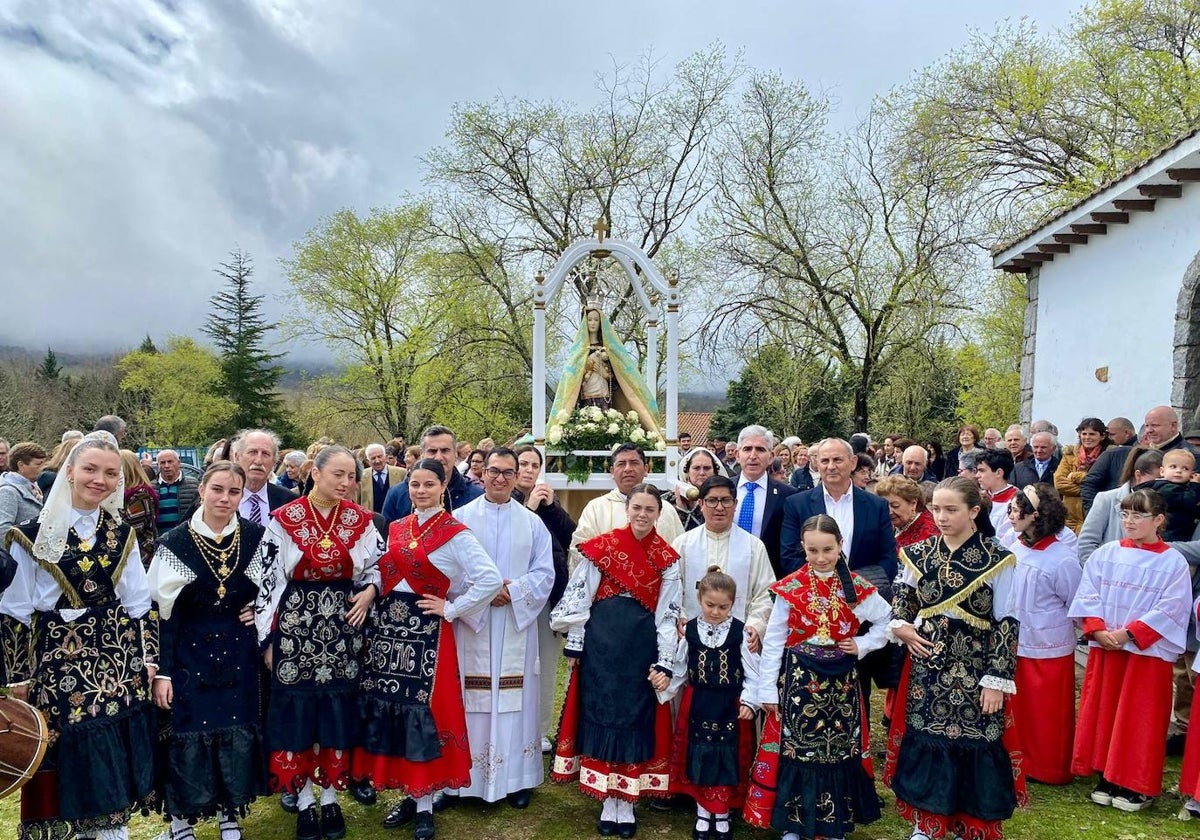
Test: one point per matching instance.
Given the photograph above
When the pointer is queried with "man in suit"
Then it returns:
(254, 450)
(1041, 466)
(760, 498)
(862, 516)
(868, 539)
(440, 444)
(373, 491)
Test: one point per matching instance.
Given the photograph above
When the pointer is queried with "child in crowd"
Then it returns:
(1047, 576)
(1180, 494)
(813, 774)
(714, 740)
(1134, 601)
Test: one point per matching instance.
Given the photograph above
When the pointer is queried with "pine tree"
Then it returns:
(148, 345)
(239, 331)
(49, 370)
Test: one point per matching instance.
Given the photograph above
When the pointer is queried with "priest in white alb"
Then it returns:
(735, 551)
(498, 646)
(607, 512)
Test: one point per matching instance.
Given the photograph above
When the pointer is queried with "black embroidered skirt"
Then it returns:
(618, 702)
(215, 754)
(397, 682)
(823, 788)
(315, 669)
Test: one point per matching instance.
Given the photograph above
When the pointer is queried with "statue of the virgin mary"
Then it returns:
(601, 372)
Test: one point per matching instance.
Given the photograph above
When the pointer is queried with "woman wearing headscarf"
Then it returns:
(697, 466)
(79, 574)
(204, 578)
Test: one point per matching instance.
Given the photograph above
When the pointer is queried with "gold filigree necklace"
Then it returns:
(326, 542)
(217, 558)
(415, 534)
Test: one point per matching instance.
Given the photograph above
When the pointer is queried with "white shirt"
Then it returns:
(245, 506)
(760, 501)
(842, 512)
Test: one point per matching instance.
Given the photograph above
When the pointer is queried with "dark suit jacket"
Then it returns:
(459, 491)
(872, 544)
(278, 496)
(776, 493)
(1025, 473)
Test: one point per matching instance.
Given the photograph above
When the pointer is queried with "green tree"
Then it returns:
(147, 345)
(49, 370)
(181, 386)
(919, 396)
(989, 386)
(249, 375)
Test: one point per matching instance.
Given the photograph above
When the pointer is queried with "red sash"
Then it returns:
(402, 562)
(810, 596)
(628, 565)
(326, 545)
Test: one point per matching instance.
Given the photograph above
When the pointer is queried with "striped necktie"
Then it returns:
(255, 509)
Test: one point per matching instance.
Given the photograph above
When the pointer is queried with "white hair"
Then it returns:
(71, 434)
(295, 458)
(1016, 426)
(843, 442)
(756, 431)
(373, 446)
(1053, 439)
(239, 441)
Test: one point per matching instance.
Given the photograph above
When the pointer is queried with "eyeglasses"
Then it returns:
(720, 501)
(1136, 516)
(495, 472)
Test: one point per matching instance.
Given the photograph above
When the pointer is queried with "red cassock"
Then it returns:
(1043, 710)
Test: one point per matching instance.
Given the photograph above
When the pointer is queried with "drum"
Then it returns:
(23, 739)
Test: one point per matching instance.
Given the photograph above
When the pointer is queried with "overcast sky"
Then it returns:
(142, 140)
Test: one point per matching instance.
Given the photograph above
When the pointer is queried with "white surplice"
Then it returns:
(504, 704)
(737, 553)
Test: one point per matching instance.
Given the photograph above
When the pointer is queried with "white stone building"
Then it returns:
(1112, 326)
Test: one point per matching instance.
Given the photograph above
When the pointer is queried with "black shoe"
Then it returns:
(423, 827)
(727, 834)
(333, 824)
(363, 792)
(520, 799)
(287, 801)
(1175, 742)
(606, 828)
(308, 827)
(442, 801)
(662, 804)
(702, 833)
(401, 813)
(626, 830)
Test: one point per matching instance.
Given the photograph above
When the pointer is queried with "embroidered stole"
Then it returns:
(628, 566)
(403, 562)
(818, 606)
(946, 580)
(326, 546)
(697, 559)
(475, 649)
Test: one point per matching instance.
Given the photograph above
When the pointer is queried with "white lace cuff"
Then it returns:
(895, 624)
(999, 684)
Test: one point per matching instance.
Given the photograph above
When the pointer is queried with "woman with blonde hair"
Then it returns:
(141, 505)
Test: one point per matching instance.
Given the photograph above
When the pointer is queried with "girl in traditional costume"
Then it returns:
(1134, 601)
(319, 580)
(204, 578)
(714, 738)
(623, 599)
(411, 701)
(948, 762)
(80, 580)
(1047, 576)
(813, 775)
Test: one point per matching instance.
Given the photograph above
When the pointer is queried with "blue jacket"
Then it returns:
(873, 542)
(398, 505)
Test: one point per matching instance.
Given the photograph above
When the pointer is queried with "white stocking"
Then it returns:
(304, 799)
(702, 817)
(425, 804)
(608, 813)
(329, 795)
(624, 811)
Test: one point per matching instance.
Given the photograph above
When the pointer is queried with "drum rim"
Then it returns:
(43, 739)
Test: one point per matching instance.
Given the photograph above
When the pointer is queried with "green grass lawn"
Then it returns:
(560, 812)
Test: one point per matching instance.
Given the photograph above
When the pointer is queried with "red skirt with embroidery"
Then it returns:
(1044, 710)
(719, 799)
(452, 769)
(603, 779)
(1124, 711)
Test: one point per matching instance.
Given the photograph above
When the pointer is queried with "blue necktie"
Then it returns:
(746, 511)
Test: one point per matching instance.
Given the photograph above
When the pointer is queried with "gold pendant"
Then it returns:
(220, 590)
(325, 543)
(412, 544)
(223, 571)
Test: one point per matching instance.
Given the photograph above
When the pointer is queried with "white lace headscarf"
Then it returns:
(56, 519)
(686, 462)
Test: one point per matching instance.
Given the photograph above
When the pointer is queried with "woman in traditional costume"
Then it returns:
(414, 723)
(1134, 601)
(320, 576)
(141, 504)
(813, 775)
(81, 582)
(615, 735)
(204, 578)
(1047, 576)
(948, 763)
